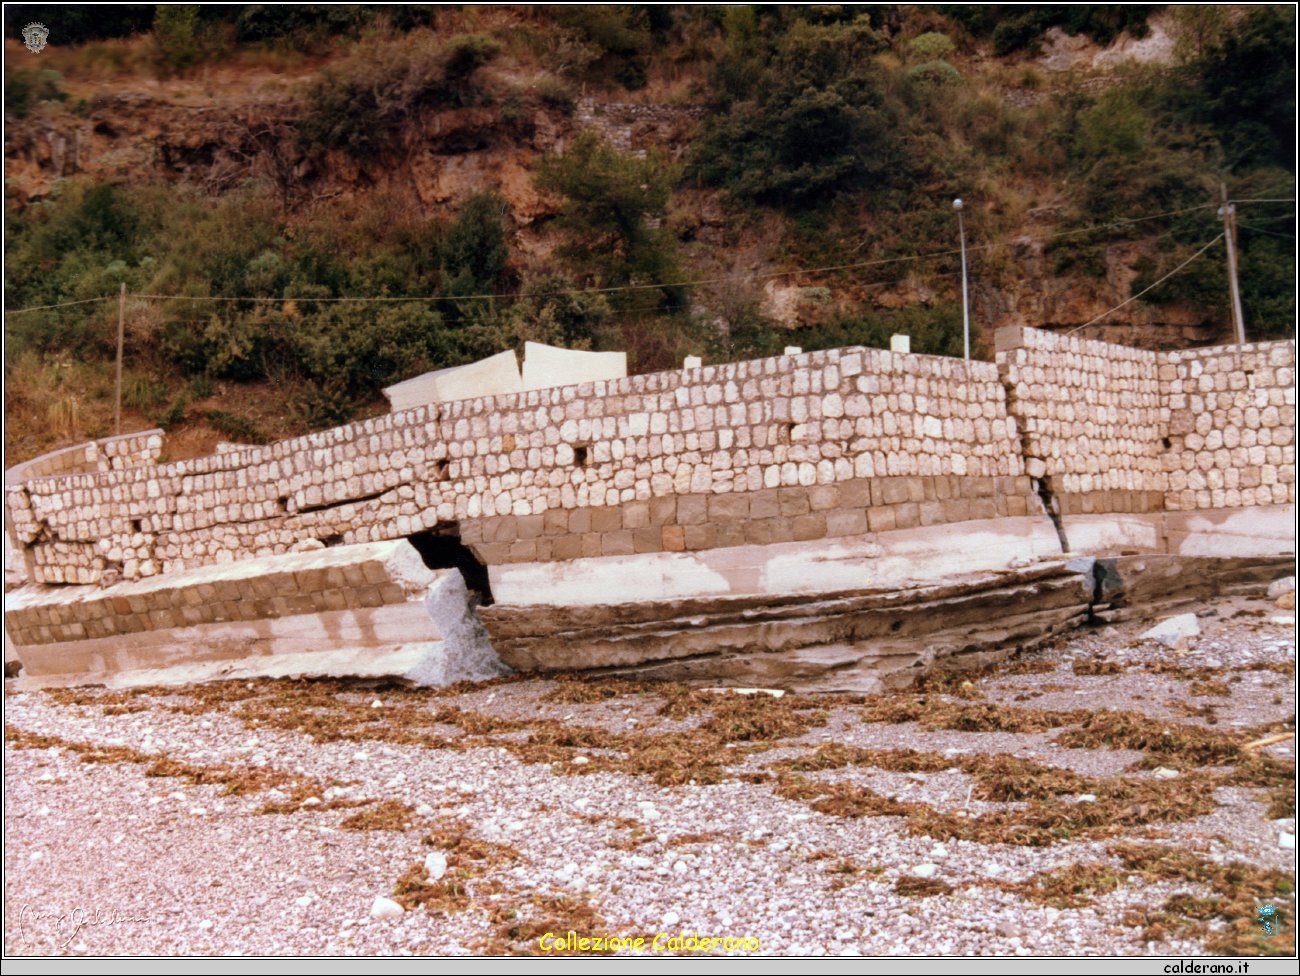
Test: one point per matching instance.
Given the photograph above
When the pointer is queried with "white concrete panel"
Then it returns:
(493, 376)
(1113, 533)
(547, 366)
(1264, 530)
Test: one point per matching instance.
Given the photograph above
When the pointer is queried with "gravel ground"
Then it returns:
(101, 858)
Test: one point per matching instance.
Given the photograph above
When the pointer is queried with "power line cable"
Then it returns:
(1205, 247)
(612, 289)
(38, 308)
(1271, 233)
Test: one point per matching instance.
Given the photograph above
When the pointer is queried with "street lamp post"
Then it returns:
(965, 301)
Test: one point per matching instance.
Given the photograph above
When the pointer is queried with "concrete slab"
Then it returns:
(883, 559)
(1263, 530)
(1108, 534)
(547, 366)
(493, 376)
(361, 610)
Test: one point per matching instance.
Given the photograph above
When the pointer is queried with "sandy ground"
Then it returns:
(1090, 798)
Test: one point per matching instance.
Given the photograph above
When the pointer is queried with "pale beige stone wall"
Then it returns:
(905, 440)
(1118, 429)
(1230, 415)
(105, 454)
(1090, 413)
(807, 420)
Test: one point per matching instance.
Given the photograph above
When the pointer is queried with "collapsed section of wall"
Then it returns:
(356, 610)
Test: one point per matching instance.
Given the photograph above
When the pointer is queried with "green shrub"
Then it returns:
(608, 197)
(556, 93)
(931, 46)
(240, 428)
(473, 251)
(27, 86)
(362, 106)
(466, 53)
(317, 405)
(812, 119)
(618, 37)
(935, 74)
(174, 35)
(143, 393)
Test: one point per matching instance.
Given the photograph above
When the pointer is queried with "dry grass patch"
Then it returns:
(382, 815)
(1225, 920)
(469, 859)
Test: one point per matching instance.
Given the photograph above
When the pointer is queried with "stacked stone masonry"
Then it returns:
(1114, 429)
(821, 445)
(1090, 420)
(1231, 426)
(106, 454)
(312, 582)
(789, 422)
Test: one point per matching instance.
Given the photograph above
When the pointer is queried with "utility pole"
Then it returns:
(121, 328)
(965, 302)
(1229, 214)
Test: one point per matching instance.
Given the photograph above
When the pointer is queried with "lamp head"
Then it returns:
(956, 204)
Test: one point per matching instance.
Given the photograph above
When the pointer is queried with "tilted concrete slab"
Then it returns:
(856, 640)
(365, 610)
(881, 559)
(493, 376)
(547, 366)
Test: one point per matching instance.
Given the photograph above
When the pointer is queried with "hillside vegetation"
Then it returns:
(793, 185)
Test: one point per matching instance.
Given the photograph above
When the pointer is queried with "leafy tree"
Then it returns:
(613, 207)
(174, 28)
(810, 121)
(474, 251)
(1249, 85)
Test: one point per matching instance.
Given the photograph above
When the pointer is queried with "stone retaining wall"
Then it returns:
(1231, 426)
(1091, 419)
(795, 448)
(854, 417)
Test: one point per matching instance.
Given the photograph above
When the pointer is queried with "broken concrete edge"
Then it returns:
(402, 565)
(870, 641)
(419, 626)
(788, 590)
(544, 367)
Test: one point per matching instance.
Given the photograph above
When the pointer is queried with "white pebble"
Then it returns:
(435, 865)
(385, 908)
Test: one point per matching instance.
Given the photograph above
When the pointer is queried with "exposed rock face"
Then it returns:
(1042, 298)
